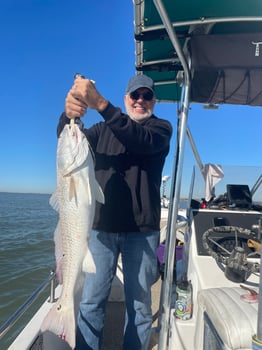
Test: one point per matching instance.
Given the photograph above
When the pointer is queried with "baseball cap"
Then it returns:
(139, 81)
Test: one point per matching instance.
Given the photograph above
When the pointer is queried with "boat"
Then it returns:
(205, 52)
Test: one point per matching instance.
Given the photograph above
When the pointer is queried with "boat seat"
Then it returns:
(235, 320)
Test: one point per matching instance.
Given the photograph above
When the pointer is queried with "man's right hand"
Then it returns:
(74, 108)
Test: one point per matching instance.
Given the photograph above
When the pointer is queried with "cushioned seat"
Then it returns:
(234, 319)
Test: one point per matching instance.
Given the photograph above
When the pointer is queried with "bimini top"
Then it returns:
(214, 46)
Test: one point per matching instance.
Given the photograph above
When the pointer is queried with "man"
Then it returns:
(130, 151)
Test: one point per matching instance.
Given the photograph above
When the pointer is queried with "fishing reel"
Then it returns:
(228, 245)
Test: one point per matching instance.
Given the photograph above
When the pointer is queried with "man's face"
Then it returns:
(140, 104)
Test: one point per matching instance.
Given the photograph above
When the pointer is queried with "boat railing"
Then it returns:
(256, 185)
(11, 321)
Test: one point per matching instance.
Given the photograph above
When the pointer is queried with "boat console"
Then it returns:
(220, 225)
(222, 262)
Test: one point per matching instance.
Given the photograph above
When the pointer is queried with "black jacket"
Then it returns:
(129, 159)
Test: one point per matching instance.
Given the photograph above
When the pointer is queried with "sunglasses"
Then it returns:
(147, 96)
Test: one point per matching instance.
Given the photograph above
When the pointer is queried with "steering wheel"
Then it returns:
(225, 245)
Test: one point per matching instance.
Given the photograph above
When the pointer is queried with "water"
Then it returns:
(27, 224)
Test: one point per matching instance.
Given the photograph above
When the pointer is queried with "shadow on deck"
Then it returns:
(115, 319)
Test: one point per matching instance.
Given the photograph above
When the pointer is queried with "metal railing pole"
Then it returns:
(259, 313)
(22, 309)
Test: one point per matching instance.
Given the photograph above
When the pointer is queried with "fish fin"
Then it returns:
(60, 320)
(99, 195)
(53, 201)
(96, 189)
(88, 263)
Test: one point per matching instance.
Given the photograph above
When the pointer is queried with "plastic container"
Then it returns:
(161, 253)
(183, 305)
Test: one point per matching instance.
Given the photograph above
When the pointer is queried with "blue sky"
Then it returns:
(43, 44)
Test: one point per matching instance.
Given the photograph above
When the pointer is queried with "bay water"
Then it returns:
(27, 224)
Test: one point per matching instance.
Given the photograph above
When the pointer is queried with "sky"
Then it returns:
(43, 44)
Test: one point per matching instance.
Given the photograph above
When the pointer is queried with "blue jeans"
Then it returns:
(140, 272)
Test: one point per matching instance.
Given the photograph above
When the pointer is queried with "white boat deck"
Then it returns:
(114, 323)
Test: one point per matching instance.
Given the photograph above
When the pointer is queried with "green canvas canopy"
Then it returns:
(219, 42)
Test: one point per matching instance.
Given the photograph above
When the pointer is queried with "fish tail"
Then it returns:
(88, 263)
(60, 320)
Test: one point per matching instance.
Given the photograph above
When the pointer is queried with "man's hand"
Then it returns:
(84, 90)
(74, 107)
